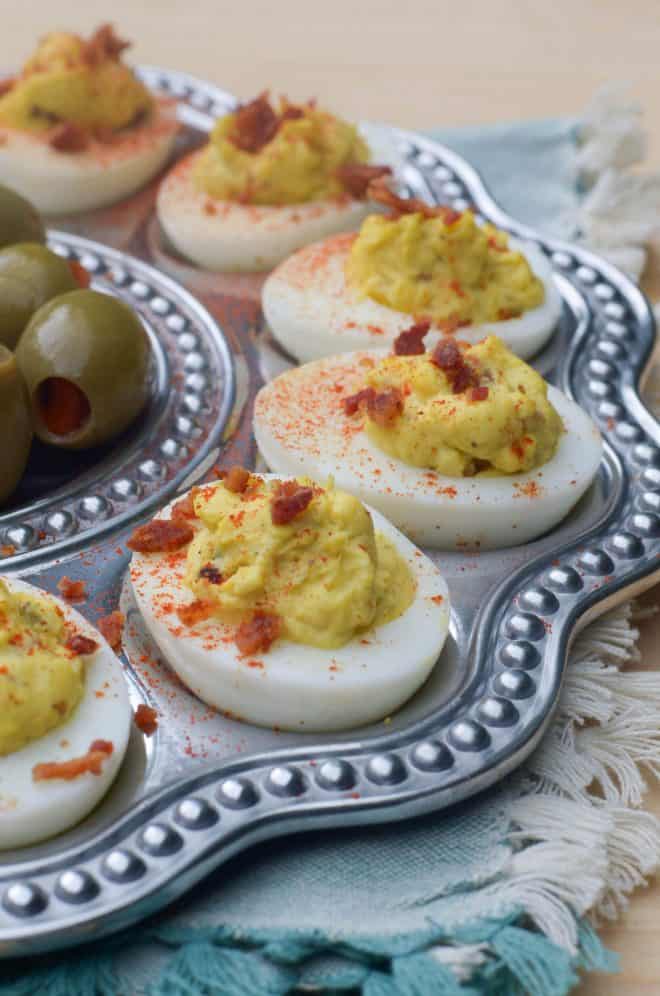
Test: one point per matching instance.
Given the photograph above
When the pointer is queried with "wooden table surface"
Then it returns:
(416, 63)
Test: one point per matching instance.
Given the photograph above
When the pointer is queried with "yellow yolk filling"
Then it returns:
(59, 83)
(514, 428)
(41, 681)
(456, 272)
(326, 574)
(297, 165)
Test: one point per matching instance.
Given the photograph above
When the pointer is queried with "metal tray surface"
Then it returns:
(206, 786)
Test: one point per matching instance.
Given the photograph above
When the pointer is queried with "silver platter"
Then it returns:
(206, 786)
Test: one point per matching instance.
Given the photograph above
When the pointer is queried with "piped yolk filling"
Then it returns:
(292, 154)
(443, 267)
(42, 672)
(461, 410)
(305, 556)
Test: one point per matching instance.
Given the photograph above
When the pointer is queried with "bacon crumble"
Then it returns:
(235, 479)
(104, 44)
(410, 342)
(354, 402)
(479, 393)
(185, 507)
(448, 356)
(195, 612)
(99, 751)
(380, 191)
(290, 500)
(111, 628)
(382, 407)
(67, 136)
(356, 177)
(385, 406)
(81, 645)
(72, 591)
(258, 633)
(146, 719)
(255, 124)
(160, 536)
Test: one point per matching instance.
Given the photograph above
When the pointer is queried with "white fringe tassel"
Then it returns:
(621, 212)
(579, 843)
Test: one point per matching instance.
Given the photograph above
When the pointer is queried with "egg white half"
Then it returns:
(71, 182)
(229, 236)
(301, 429)
(313, 312)
(32, 811)
(293, 686)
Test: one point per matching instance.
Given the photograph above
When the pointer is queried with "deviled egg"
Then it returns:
(289, 604)
(270, 180)
(64, 715)
(416, 263)
(465, 446)
(78, 130)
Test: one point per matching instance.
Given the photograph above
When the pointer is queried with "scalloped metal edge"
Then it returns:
(173, 838)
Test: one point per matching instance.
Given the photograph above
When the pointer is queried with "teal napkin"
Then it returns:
(486, 898)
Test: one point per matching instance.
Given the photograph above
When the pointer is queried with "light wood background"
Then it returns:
(415, 63)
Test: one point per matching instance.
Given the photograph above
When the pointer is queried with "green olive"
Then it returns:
(19, 221)
(30, 275)
(85, 360)
(15, 424)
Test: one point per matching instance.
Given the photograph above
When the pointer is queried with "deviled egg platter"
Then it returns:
(64, 715)
(413, 263)
(465, 446)
(272, 178)
(78, 130)
(289, 604)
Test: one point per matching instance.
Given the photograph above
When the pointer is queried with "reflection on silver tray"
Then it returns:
(208, 786)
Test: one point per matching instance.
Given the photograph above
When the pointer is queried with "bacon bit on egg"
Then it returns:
(258, 633)
(504, 314)
(356, 177)
(384, 407)
(104, 44)
(255, 124)
(6, 85)
(185, 507)
(410, 342)
(72, 591)
(146, 719)
(381, 407)
(290, 500)
(353, 402)
(99, 751)
(449, 358)
(195, 612)
(235, 479)
(80, 645)
(160, 536)
(67, 136)
(211, 574)
(478, 393)
(111, 627)
(80, 274)
(380, 191)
